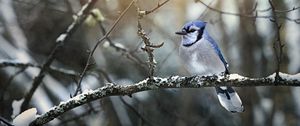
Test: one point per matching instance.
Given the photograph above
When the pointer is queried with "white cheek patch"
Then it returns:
(193, 36)
(190, 38)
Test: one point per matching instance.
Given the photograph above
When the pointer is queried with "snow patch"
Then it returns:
(61, 38)
(25, 118)
(235, 76)
(285, 76)
(16, 105)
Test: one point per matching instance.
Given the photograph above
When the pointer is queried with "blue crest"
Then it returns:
(199, 24)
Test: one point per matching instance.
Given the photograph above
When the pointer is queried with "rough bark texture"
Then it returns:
(161, 83)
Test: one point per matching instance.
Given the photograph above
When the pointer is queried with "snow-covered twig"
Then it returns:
(156, 83)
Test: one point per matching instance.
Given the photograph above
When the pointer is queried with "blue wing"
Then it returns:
(217, 50)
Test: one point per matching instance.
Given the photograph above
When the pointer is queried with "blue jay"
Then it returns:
(202, 56)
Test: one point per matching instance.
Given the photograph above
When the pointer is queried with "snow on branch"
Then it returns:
(234, 80)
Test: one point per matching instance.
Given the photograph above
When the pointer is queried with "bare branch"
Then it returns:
(120, 47)
(78, 90)
(285, 11)
(250, 15)
(279, 11)
(78, 117)
(142, 13)
(81, 16)
(135, 111)
(11, 78)
(156, 83)
(148, 49)
(11, 63)
(158, 6)
(277, 45)
(105, 75)
(3, 120)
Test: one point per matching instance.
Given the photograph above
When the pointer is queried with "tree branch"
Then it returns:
(120, 47)
(297, 20)
(158, 6)
(5, 121)
(279, 11)
(234, 80)
(81, 16)
(12, 63)
(277, 45)
(149, 47)
(135, 112)
(99, 41)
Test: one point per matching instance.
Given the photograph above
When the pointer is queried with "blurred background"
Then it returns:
(29, 28)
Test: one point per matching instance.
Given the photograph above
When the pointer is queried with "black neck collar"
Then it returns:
(189, 44)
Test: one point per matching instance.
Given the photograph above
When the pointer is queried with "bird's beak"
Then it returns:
(181, 33)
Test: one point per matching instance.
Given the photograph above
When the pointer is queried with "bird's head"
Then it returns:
(192, 32)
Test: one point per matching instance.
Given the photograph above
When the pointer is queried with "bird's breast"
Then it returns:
(201, 59)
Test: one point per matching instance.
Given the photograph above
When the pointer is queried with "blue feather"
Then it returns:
(216, 48)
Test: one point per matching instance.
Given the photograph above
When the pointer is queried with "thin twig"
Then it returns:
(248, 15)
(279, 11)
(264, 10)
(122, 48)
(277, 44)
(148, 48)
(75, 118)
(11, 78)
(105, 75)
(158, 6)
(205, 11)
(135, 111)
(5, 121)
(167, 35)
(108, 79)
(288, 10)
(11, 63)
(234, 80)
(60, 41)
(78, 89)
(142, 13)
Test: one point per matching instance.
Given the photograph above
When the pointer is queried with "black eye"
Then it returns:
(192, 30)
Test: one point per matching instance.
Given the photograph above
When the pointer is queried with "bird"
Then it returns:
(202, 56)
